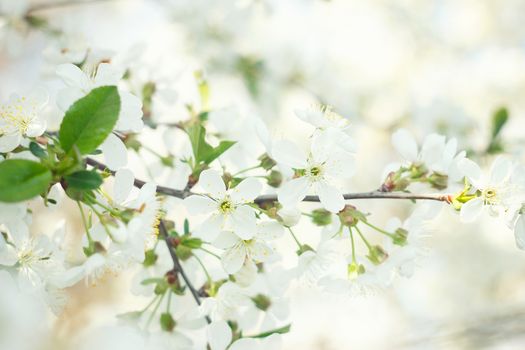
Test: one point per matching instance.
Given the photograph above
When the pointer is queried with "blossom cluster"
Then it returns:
(218, 205)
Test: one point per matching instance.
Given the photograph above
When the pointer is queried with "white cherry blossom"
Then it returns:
(22, 117)
(227, 208)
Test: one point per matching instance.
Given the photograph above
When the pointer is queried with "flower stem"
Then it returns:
(295, 238)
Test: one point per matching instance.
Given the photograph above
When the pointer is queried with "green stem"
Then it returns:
(368, 245)
(354, 260)
(155, 309)
(210, 252)
(378, 229)
(247, 169)
(84, 222)
(295, 238)
(208, 277)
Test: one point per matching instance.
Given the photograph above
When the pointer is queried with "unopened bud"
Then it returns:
(438, 181)
(377, 255)
(289, 216)
(275, 178)
(350, 216)
(400, 237)
(266, 162)
(262, 302)
(167, 323)
(150, 258)
(321, 217)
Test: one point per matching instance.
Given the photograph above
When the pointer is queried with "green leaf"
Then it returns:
(499, 119)
(215, 153)
(90, 120)
(203, 151)
(22, 179)
(84, 180)
(191, 242)
(282, 330)
(36, 150)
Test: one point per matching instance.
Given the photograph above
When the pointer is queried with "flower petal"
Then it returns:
(330, 197)
(519, 232)
(287, 153)
(500, 170)
(219, 335)
(73, 76)
(212, 183)
(233, 258)
(122, 185)
(198, 204)
(115, 152)
(211, 227)
(9, 142)
(471, 210)
(293, 191)
(246, 191)
(405, 144)
(243, 222)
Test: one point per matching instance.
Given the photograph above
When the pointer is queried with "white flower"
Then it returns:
(497, 192)
(21, 117)
(315, 171)
(13, 24)
(438, 154)
(80, 84)
(228, 209)
(313, 265)
(322, 117)
(254, 250)
(226, 304)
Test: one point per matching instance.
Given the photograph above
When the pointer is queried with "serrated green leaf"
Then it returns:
(84, 180)
(22, 179)
(90, 120)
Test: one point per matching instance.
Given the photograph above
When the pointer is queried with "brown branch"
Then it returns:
(168, 191)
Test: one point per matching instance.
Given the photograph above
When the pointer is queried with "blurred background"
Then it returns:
(428, 65)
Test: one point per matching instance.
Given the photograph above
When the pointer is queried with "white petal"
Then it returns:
(404, 143)
(130, 117)
(244, 222)
(471, 210)
(246, 191)
(219, 335)
(519, 232)
(471, 171)
(9, 142)
(500, 170)
(36, 128)
(108, 74)
(293, 191)
(233, 258)
(269, 230)
(123, 185)
(198, 204)
(287, 153)
(212, 183)
(330, 197)
(66, 97)
(115, 152)
(225, 240)
(73, 76)
(260, 251)
(245, 344)
(210, 229)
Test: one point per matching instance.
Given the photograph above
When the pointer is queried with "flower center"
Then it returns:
(226, 206)
(16, 117)
(315, 172)
(490, 196)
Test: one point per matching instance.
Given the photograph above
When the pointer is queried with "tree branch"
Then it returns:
(177, 267)
(273, 197)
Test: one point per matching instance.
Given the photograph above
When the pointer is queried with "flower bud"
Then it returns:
(275, 178)
(266, 162)
(262, 302)
(304, 248)
(321, 217)
(184, 253)
(400, 237)
(395, 182)
(350, 216)
(377, 255)
(438, 181)
(167, 323)
(150, 258)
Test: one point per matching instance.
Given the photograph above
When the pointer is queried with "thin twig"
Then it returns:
(273, 197)
(177, 267)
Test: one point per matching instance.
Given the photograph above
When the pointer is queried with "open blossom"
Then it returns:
(227, 208)
(255, 250)
(21, 117)
(497, 193)
(323, 117)
(316, 171)
(438, 154)
(13, 25)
